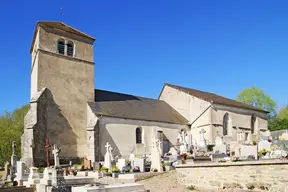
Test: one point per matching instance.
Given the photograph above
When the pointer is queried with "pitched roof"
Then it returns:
(211, 97)
(133, 107)
(61, 26)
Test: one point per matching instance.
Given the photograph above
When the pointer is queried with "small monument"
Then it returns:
(108, 157)
(13, 158)
(56, 152)
(202, 142)
(156, 157)
(219, 147)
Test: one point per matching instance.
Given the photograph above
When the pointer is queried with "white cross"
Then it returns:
(107, 146)
(202, 132)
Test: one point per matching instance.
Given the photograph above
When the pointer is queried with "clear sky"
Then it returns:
(215, 46)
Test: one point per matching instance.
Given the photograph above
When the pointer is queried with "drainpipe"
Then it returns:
(98, 140)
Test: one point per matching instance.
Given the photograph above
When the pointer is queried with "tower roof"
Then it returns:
(61, 26)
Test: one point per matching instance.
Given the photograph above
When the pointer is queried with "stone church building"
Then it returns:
(79, 119)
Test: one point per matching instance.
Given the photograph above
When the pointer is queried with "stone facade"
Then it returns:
(266, 176)
(121, 135)
(70, 83)
(210, 117)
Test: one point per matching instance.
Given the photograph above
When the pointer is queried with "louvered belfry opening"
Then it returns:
(61, 47)
(70, 49)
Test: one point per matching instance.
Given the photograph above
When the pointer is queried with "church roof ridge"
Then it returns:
(61, 26)
(212, 97)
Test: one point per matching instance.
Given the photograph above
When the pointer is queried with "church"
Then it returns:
(68, 110)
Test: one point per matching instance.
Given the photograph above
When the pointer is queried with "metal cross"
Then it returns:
(47, 147)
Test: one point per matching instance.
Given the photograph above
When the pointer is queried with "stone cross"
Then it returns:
(56, 152)
(13, 147)
(47, 147)
(107, 147)
(202, 132)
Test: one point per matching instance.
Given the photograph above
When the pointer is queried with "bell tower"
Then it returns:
(62, 82)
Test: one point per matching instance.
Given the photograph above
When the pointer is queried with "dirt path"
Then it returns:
(164, 183)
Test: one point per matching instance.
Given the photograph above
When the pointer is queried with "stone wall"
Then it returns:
(256, 175)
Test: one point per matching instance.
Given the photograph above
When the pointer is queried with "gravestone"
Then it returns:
(121, 164)
(56, 152)
(13, 158)
(219, 148)
(87, 164)
(248, 152)
(156, 163)
(33, 177)
(107, 157)
(47, 176)
(20, 170)
(202, 142)
(96, 166)
(139, 162)
(285, 136)
(263, 144)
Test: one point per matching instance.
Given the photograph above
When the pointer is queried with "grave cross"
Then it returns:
(56, 152)
(13, 147)
(107, 147)
(47, 147)
(202, 132)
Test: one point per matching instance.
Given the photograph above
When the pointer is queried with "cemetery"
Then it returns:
(230, 164)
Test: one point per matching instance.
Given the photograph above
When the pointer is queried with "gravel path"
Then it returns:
(164, 183)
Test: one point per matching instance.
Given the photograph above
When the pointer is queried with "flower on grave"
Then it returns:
(281, 138)
(183, 156)
(270, 139)
(169, 153)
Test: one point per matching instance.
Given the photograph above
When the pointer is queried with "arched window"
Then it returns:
(61, 46)
(70, 49)
(253, 119)
(138, 135)
(225, 124)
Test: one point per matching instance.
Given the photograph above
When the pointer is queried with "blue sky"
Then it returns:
(215, 46)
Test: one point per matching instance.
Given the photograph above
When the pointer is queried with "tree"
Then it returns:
(283, 114)
(278, 124)
(11, 129)
(257, 98)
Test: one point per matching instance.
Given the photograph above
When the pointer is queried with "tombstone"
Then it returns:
(173, 151)
(121, 163)
(14, 157)
(285, 136)
(33, 177)
(202, 142)
(156, 163)
(220, 149)
(107, 157)
(183, 149)
(96, 166)
(20, 170)
(139, 162)
(87, 164)
(56, 152)
(248, 152)
(47, 176)
(263, 144)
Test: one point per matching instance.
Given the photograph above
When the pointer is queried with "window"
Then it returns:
(225, 124)
(70, 49)
(61, 47)
(138, 135)
(253, 119)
